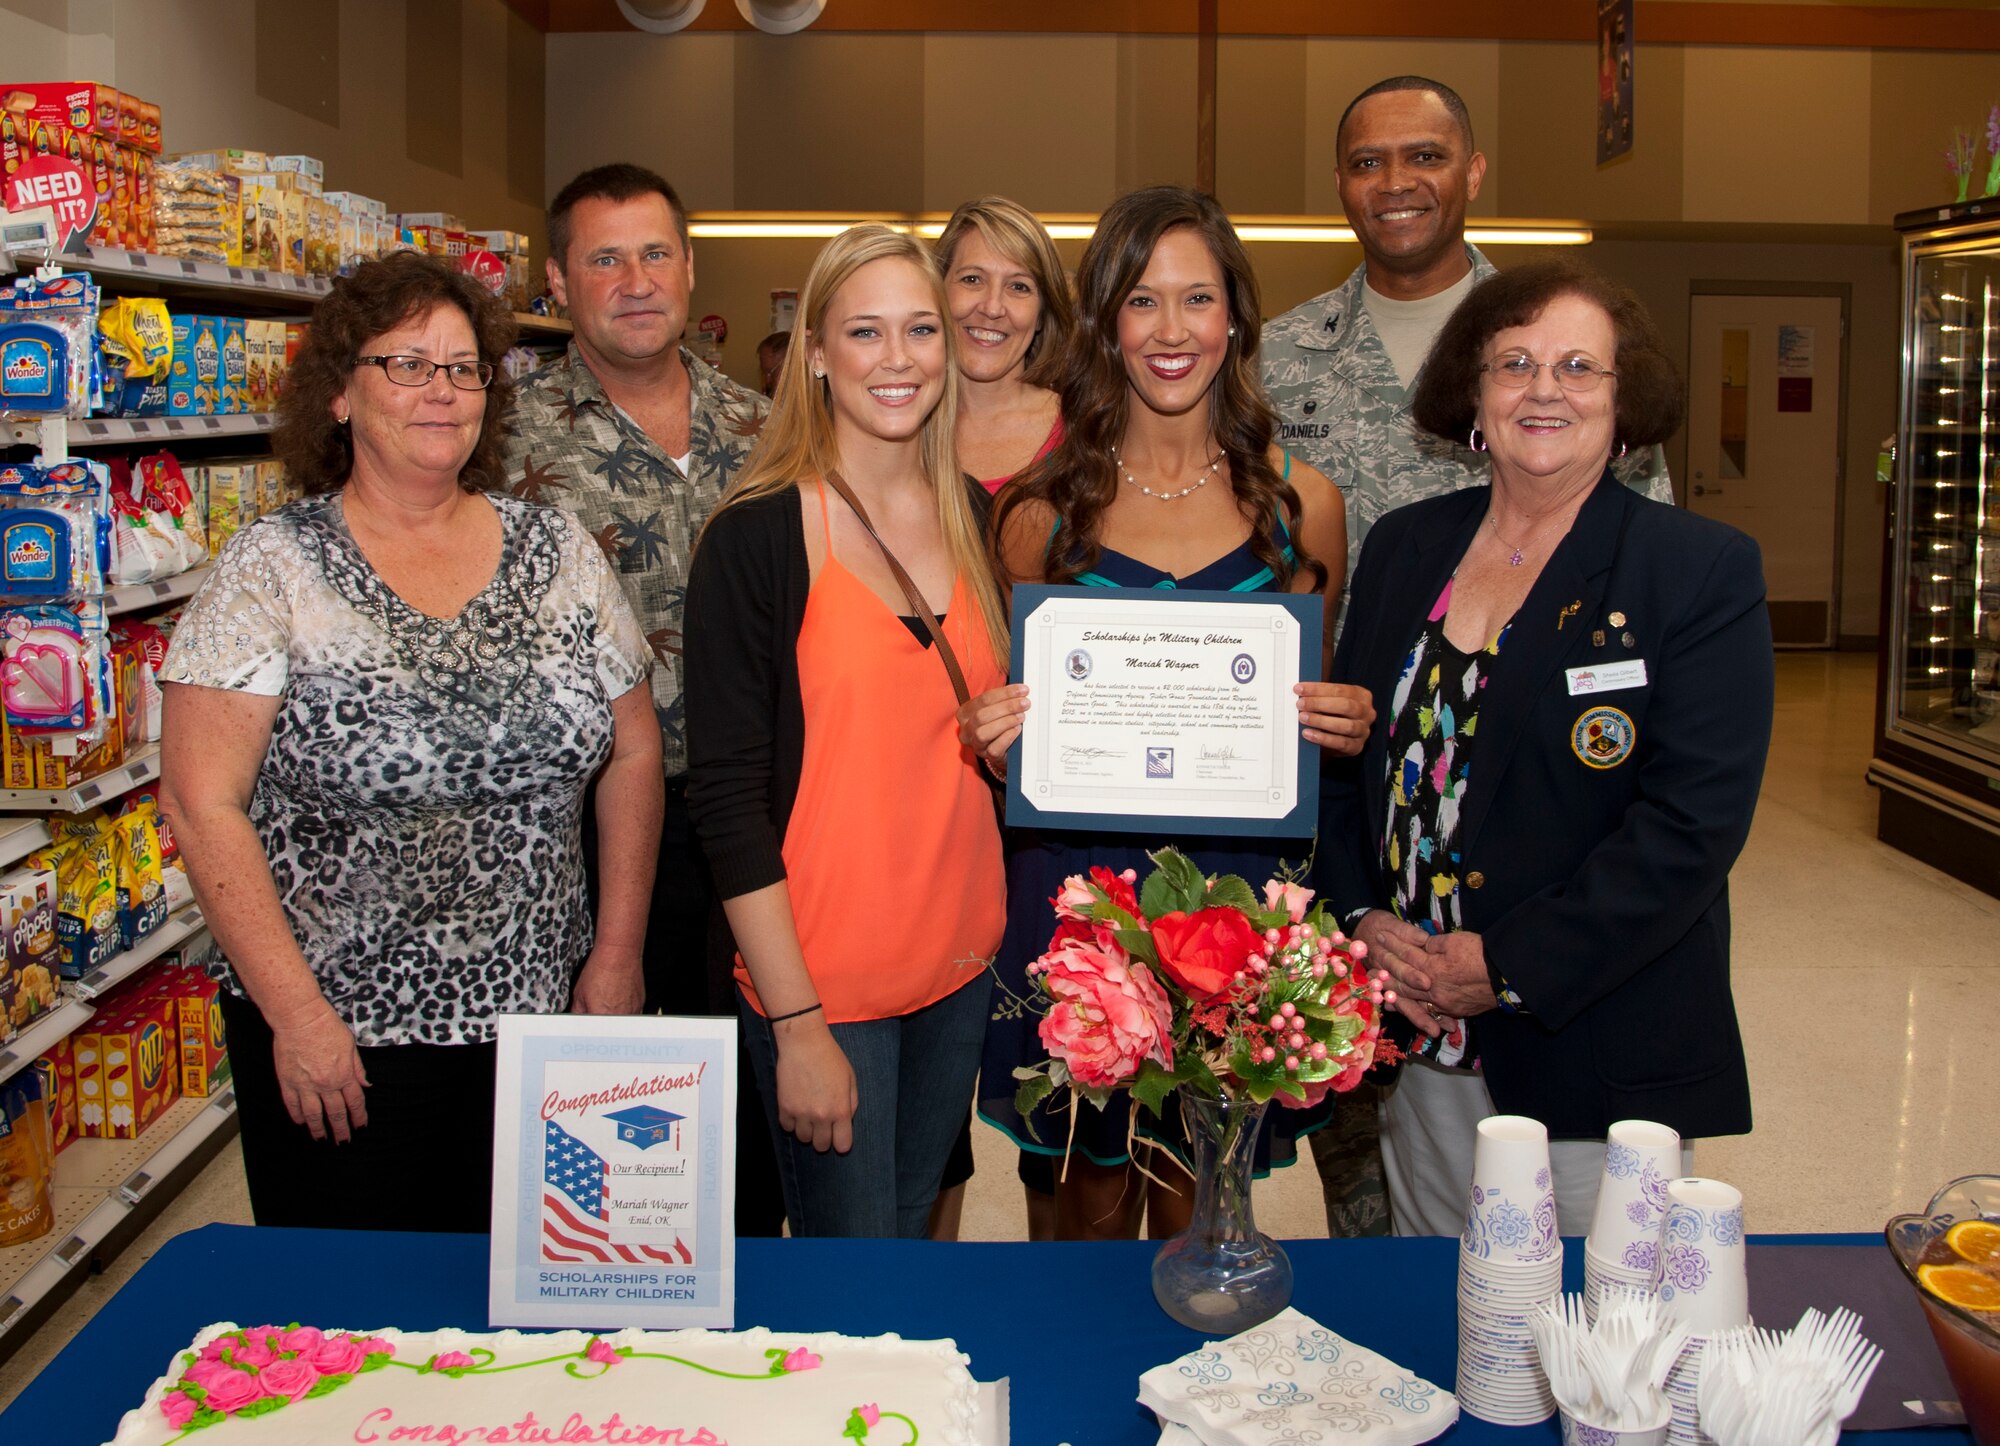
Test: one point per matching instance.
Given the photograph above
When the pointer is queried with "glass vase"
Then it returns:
(1222, 1275)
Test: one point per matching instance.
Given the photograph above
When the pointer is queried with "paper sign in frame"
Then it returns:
(630, 1060)
(1301, 821)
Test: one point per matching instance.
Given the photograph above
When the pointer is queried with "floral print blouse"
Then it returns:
(421, 798)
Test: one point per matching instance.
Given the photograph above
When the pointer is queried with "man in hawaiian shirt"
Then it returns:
(639, 438)
(1341, 369)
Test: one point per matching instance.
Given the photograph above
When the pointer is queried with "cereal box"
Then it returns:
(309, 169)
(194, 378)
(233, 385)
(82, 105)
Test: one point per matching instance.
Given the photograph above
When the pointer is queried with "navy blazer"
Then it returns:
(1600, 892)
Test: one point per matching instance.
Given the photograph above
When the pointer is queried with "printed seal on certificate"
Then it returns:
(1164, 711)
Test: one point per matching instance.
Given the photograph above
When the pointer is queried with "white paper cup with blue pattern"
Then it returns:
(1701, 1277)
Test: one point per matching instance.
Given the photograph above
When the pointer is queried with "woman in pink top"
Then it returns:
(1010, 307)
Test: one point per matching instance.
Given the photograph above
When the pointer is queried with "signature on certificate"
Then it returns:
(1076, 753)
(1224, 754)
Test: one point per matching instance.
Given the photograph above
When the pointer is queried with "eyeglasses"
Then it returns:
(415, 371)
(1573, 372)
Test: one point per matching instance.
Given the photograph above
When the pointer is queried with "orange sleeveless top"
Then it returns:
(892, 855)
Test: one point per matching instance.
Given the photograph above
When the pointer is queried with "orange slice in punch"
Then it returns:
(1975, 1240)
(1962, 1286)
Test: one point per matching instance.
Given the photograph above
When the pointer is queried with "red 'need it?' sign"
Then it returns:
(57, 183)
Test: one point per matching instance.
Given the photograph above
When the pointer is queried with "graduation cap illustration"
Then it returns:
(645, 1125)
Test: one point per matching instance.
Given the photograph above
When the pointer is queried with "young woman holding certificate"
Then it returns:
(1167, 477)
(850, 833)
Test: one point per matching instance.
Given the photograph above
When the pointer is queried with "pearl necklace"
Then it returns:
(1202, 481)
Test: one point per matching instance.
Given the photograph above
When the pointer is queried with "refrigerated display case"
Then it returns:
(1937, 747)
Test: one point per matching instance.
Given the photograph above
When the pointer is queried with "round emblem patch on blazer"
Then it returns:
(1603, 737)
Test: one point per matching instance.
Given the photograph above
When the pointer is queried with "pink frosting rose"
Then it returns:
(290, 1379)
(1292, 898)
(337, 1356)
(255, 1351)
(230, 1391)
(801, 1359)
(1108, 1013)
(600, 1350)
(374, 1346)
(179, 1408)
(451, 1361)
(301, 1340)
(870, 1414)
(204, 1373)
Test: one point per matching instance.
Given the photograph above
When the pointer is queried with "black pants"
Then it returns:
(424, 1160)
(681, 978)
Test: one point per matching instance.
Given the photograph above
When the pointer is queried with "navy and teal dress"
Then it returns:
(1038, 862)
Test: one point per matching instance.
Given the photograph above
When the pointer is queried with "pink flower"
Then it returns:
(374, 1346)
(1293, 898)
(337, 1356)
(214, 1349)
(230, 1391)
(599, 1350)
(255, 1352)
(1109, 1012)
(205, 1373)
(1074, 899)
(452, 1361)
(290, 1379)
(801, 1359)
(179, 1408)
(301, 1340)
(870, 1414)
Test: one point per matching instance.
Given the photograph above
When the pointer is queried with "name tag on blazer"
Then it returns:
(1606, 677)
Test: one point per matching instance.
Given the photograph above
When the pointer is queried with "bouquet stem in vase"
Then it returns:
(1222, 1275)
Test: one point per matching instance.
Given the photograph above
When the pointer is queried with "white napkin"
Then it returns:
(1292, 1374)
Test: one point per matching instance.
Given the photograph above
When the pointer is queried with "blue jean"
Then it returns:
(913, 1077)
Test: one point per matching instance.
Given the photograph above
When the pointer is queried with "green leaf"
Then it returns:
(328, 1383)
(1315, 1011)
(204, 1417)
(1033, 1090)
(1292, 1088)
(264, 1406)
(1139, 944)
(1185, 888)
(374, 1361)
(1152, 1086)
(1229, 891)
(1260, 1090)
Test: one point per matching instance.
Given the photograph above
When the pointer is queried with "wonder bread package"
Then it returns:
(55, 529)
(48, 336)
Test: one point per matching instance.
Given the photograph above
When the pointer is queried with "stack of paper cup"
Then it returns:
(1702, 1285)
(1623, 1247)
(1509, 1263)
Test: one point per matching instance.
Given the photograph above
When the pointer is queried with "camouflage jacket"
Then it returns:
(1341, 408)
(572, 446)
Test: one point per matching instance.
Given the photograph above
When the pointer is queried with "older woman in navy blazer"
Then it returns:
(1573, 690)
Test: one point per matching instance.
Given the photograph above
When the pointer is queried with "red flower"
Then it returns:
(1116, 889)
(1070, 929)
(1202, 951)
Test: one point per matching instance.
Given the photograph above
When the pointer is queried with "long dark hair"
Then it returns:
(1079, 478)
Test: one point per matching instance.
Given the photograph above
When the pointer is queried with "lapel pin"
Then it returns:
(1617, 620)
(1567, 613)
(1627, 639)
(1597, 638)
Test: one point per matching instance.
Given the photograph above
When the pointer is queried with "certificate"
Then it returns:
(1152, 712)
(614, 1172)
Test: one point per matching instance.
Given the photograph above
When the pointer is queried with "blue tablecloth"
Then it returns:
(1073, 1325)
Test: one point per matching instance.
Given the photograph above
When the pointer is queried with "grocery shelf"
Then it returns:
(553, 325)
(122, 431)
(141, 767)
(34, 1041)
(100, 1186)
(21, 837)
(179, 273)
(135, 595)
(178, 929)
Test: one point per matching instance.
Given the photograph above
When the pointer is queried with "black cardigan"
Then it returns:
(746, 603)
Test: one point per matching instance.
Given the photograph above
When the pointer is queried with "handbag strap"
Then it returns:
(921, 608)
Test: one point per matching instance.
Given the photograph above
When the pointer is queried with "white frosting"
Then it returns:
(924, 1381)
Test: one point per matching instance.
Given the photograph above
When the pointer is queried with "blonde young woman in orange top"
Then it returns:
(851, 835)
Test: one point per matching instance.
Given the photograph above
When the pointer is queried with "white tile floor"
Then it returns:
(1868, 986)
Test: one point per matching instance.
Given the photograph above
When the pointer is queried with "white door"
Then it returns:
(1764, 443)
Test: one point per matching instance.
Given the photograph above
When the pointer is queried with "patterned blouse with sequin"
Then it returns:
(1434, 721)
(421, 799)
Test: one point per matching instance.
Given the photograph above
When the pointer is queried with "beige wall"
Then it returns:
(197, 58)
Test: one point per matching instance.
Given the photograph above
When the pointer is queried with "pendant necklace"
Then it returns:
(1515, 556)
(1214, 463)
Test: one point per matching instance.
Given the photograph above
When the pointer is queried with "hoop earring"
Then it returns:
(1623, 449)
(1476, 440)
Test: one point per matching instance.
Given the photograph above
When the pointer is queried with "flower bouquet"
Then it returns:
(1188, 985)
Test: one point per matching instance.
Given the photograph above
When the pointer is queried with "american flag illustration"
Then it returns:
(574, 1212)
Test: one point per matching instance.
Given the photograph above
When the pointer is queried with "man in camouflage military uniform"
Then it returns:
(638, 438)
(1341, 369)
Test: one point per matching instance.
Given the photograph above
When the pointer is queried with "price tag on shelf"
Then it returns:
(261, 278)
(190, 268)
(97, 429)
(176, 425)
(236, 273)
(214, 424)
